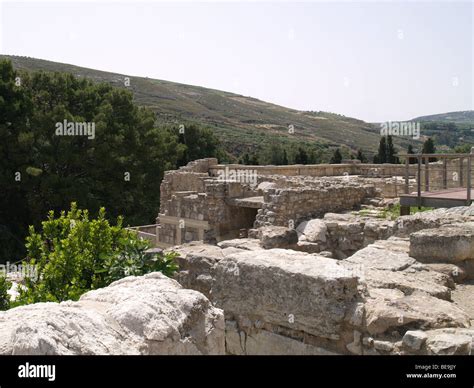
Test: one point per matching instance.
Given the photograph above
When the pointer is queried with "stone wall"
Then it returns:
(189, 193)
(287, 207)
(381, 300)
(320, 170)
(287, 194)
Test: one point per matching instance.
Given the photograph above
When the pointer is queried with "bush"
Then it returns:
(4, 297)
(74, 254)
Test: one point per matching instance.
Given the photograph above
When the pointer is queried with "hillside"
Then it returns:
(462, 117)
(240, 122)
(452, 129)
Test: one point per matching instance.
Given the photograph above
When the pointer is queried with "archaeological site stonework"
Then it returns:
(301, 262)
(293, 260)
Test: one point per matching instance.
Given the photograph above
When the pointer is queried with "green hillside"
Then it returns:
(461, 117)
(453, 130)
(240, 122)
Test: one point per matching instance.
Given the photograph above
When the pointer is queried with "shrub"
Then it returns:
(74, 254)
(4, 297)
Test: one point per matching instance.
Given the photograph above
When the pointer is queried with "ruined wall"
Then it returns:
(381, 300)
(320, 170)
(282, 206)
(190, 193)
(288, 193)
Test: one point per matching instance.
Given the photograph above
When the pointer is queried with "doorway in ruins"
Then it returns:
(240, 220)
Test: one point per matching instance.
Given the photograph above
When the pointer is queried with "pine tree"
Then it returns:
(301, 156)
(429, 148)
(391, 152)
(382, 152)
(361, 157)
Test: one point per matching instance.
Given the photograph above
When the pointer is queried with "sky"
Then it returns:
(376, 61)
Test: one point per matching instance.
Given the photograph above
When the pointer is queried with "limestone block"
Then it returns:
(292, 289)
(449, 243)
(151, 314)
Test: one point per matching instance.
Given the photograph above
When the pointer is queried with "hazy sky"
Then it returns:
(376, 61)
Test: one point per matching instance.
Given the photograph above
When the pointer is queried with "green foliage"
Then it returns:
(391, 152)
(75, 253)
(429, 148)
(197, 142)
(451, 134)
(120, 168)
(4, 297)
(301, 156)
(386, 152)
(463, 149)
(361, 156)
(336, 157)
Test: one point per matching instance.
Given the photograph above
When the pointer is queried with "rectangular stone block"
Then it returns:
(292, 289)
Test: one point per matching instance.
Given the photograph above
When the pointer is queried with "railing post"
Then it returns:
(461, 180)
(427, 174)
(407, 173)
(468, 180)
(445, 173)
(419, 180)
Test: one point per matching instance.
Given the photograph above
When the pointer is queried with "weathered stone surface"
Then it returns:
(309, 247)
(276, 284)
(373, 257)
(414, 339)
(151, 314)
(449, 243)
(406, 225)
(248, 244)
(430, 282)
(418, 310)
(448, 344)
(312, 231)
(277, 237)
(196, 262)
(264, 342)
(457, 273)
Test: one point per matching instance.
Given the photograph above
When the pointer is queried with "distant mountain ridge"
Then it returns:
(241, 123)
(460, 117)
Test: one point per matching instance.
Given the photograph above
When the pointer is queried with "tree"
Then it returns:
(120, 165)
(361, 156)
(336, 157)
(391, 152)
(381, 156)
(301, 156)
(245, 159)
(285, 158)
(429, 148)
(254, 160)
(198, 142)
(386, 152)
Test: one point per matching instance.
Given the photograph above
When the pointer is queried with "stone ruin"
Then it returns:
(292, 260)
(204, 201)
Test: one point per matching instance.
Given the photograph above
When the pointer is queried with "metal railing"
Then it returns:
(439, 172)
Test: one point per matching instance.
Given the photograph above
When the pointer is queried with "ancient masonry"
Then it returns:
(204, 201)
(293, 260)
